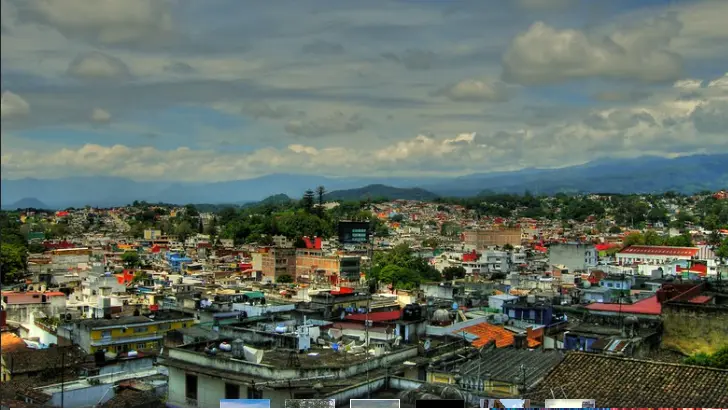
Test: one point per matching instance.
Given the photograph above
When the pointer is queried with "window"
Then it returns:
(163, 326)
(191, 386)
(140, 329)
(141, 346)
(232, 391)
(532, 314)
(106, 333)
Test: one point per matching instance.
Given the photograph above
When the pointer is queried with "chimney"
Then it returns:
(519, 341)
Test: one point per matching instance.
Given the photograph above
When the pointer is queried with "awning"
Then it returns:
(254, 295)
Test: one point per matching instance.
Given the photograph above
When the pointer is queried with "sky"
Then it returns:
(186, 90)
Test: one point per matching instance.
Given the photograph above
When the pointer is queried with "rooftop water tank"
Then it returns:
(441, 315)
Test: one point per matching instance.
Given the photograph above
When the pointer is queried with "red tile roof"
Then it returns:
(700, 300)
(660, 250)
(605, 246)
(376, 316)
(649, 306)
(12, 343)
(487, 333)
(700, 269)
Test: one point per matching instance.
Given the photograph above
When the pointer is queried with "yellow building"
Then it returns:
(152, 234)
(128, 333)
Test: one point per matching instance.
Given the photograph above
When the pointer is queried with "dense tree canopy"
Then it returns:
(402, 268)
(13, 249)
(652, 238)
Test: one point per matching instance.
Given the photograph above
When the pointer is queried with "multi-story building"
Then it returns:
(574, 256)
(484, 238)
(318, 266)
(125, 333)
(200, 379)
(152, 234)
(638, 254)
(19, 306)
(276, 262)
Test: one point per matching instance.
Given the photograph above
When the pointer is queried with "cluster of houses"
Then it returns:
(107, 321)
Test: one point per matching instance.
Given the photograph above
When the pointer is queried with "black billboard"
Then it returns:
(353, 233)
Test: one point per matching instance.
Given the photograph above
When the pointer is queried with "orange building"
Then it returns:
(484, 238)
(315, 266)
(277, 262)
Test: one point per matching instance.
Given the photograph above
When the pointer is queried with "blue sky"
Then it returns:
(229, 89)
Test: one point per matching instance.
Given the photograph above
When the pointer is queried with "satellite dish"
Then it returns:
(343, 315)
(455, 306)
(427, 344)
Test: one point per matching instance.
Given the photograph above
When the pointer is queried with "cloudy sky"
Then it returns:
(228, 89)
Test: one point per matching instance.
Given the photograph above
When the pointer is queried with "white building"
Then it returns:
(658, 255)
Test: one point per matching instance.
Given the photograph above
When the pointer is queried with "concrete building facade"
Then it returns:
(574, 256)
(484, 238)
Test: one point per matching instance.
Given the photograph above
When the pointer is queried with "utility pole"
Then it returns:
(366, 337)
(369, 300)
(63, 373)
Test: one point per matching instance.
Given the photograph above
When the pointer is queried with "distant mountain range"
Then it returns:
(641, 175)
(375, 191)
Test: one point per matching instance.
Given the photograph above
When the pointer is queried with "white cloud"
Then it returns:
(13, 105)
(337, 123)
(712, 118)
(705, 33)
(471, 90)
(544, 54)
(102, 21)
(98, 66)
(99, 115)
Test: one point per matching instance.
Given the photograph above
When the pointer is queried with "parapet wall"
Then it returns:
(691, 328)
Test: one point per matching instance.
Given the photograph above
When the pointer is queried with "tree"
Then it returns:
(308, 200)
(615, 230)
(299, 243)
(453, 272)
(131, 259)
(13, 262)
(635, 238)
(431, 243)
(508, 247)
(36, 248)
(714, 238)
(320, 192)
(284, 279)
(722, 251)
(184, 230)
(718, 360)
(191, 211)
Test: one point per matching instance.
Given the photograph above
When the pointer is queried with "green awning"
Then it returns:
(254, 295)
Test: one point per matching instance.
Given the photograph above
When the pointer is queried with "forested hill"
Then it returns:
(378, 192)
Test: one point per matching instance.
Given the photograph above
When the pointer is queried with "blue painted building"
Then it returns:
(176, 261)
(536, 313)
